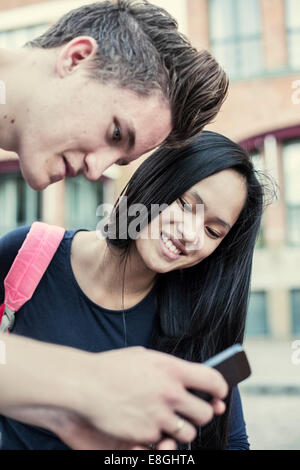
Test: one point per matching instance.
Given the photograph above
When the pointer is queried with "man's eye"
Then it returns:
(122, 163)
(117, 136)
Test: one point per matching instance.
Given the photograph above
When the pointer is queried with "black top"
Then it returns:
(59, 312)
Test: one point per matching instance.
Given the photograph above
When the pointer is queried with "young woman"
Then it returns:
(183, 290)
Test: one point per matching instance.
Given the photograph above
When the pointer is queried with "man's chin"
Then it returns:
(35, 183)
(38, 186)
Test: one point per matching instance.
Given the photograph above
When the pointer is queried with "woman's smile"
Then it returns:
(171, 248)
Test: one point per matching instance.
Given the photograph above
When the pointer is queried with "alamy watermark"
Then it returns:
(184, 222)
(2, 92)
(2, 352)
(296, 93)
(295, 357)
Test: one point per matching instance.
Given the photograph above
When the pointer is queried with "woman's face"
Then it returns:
(190, 229)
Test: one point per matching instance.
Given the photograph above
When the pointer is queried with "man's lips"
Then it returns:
(70, 171)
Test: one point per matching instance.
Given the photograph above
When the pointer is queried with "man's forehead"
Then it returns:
(152, 127)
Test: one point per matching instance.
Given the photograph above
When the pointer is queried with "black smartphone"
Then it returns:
(232, 363)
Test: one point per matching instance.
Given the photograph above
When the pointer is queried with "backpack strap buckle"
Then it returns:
(8, 320)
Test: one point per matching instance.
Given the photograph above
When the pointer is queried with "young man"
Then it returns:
(106, 84)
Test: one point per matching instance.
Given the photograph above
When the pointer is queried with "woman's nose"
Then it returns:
(190, 232)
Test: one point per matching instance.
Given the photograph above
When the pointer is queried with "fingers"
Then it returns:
(180, 429)
(203, 378)
(219, 406)
(139, 448)
(165, 444)
(162, 391)
(196, 411)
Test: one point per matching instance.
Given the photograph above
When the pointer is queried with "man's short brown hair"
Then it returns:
(140, 48)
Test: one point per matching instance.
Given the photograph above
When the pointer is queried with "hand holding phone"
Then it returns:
(232, 363)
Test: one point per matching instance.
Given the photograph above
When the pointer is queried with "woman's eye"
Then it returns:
(212, 233)
(185, 205)
(117, 136)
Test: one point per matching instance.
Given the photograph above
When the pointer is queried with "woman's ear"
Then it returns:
(78, 52)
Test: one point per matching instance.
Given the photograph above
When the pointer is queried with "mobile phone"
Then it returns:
(232, 363)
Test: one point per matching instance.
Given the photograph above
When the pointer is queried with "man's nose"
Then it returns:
(95, 163)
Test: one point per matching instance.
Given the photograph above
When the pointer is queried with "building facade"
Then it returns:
(258, 43)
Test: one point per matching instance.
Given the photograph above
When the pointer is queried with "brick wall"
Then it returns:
(258, 105)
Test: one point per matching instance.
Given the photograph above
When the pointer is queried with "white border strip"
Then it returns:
(41, 13)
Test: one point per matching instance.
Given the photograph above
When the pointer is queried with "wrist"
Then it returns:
(43, 374)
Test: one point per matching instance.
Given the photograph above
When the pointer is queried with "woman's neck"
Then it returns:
(105, 274)
(116, 271)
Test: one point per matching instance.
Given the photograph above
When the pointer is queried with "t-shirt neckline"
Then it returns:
(90, 301)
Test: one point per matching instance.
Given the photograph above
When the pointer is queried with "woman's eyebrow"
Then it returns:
(216, 219)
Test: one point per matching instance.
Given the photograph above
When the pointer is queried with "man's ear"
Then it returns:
(75, 53)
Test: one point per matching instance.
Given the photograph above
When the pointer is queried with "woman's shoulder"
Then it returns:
(84, 246)
(11, 242)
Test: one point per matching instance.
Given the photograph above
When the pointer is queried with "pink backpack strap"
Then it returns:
(28, 268)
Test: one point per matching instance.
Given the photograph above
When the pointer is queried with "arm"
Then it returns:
(238, 439)
(75, 431)
(98, 387)
(132, 394)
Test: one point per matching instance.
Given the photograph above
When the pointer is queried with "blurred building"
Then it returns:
(258, 43)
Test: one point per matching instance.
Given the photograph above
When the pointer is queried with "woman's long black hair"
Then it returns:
(202, 309)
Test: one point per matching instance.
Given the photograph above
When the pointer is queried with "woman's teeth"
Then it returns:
(170, 245)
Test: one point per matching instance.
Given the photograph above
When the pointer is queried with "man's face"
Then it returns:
(83, 126)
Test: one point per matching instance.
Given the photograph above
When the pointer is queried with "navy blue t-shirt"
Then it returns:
(59, 312)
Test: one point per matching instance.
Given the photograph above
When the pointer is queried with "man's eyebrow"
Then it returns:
(217, 219)
(131, 138)
(127, 132)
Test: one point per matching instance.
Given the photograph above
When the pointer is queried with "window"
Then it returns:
(257, 324)
(18, 37)
(83, 198)
(235, 32)
(19, 204)
(291, 165)
(293, 32)
(295, 305)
